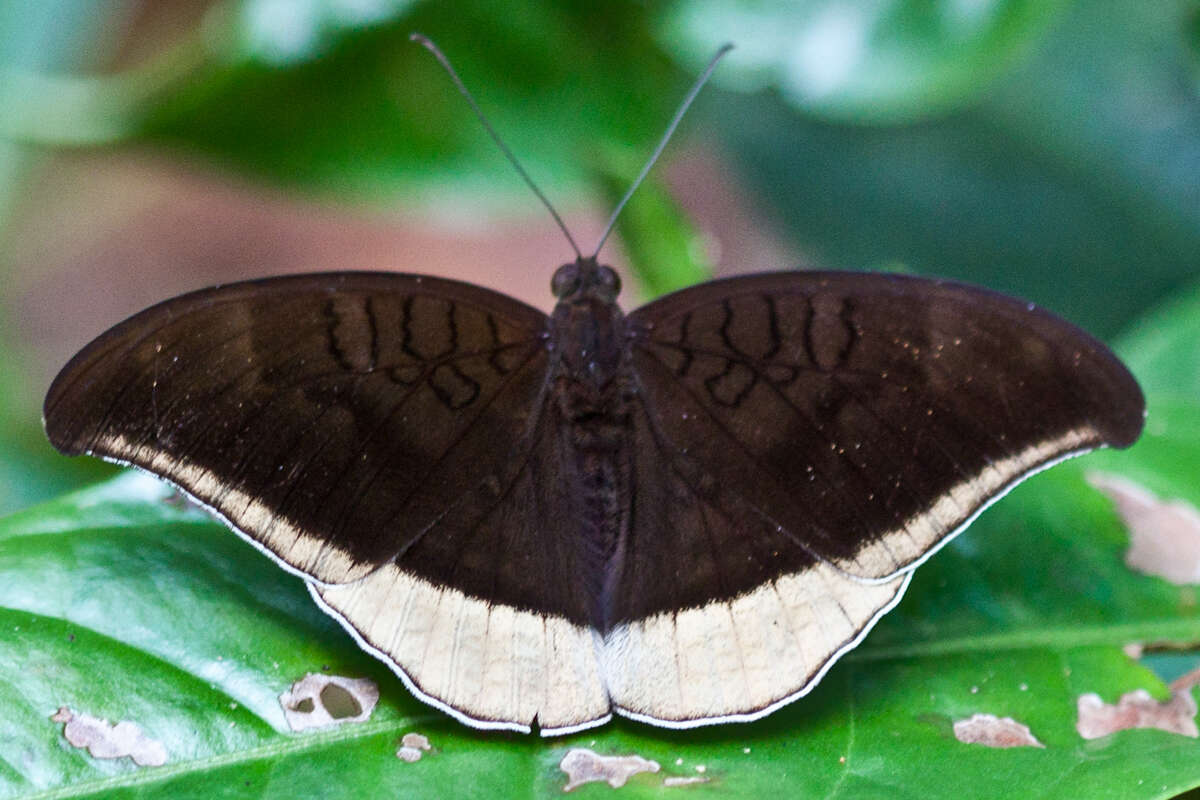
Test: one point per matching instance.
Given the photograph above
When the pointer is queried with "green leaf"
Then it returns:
(31, 470)
(886, 61)
(1161, 350)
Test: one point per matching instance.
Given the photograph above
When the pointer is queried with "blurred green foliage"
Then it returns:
(882, 62)
(364, 110)
(1072, 180)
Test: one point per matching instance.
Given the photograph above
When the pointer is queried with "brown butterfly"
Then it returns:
(684, 514)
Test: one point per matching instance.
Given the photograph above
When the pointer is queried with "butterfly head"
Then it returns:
(585, 279)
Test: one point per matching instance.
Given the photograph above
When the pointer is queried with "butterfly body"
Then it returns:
(592, 391)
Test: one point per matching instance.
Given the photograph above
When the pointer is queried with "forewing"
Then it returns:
(869, 417)
(330, 418)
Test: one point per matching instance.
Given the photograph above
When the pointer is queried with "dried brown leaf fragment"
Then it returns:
(992, 731)
(1137, 709)
(412, 746)
(106, 740)
(585, 766)
(1164, 535)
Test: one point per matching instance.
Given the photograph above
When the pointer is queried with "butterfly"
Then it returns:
(684, 514)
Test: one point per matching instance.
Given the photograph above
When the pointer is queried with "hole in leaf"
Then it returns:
(318, 701)
(339, 703)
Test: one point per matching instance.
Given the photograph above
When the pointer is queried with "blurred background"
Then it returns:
(1045, 148)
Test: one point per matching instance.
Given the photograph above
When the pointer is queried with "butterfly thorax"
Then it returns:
(587, 328)
(591, 377)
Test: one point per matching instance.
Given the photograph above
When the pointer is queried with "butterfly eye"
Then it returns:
(565, 281)
(610, 280)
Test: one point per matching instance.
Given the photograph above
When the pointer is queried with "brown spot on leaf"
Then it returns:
(585, 766)
(1137, 709)
(105, 740)
(992, 731)
(1164, 535)
(319, 701)
(412, 745)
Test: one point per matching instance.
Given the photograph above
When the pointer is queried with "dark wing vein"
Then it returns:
(528, 435)
(739, 445)
(466, 429)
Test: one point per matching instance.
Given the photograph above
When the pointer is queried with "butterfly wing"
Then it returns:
(377, 434)
(468, 642)
(807, 440)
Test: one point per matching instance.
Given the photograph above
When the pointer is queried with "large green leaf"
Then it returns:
(120, 603)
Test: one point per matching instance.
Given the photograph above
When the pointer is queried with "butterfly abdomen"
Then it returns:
(597, 469)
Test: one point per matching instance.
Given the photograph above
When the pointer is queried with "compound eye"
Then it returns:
(565, 281)
(610, 280)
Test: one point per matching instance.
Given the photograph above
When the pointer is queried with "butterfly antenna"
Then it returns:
(428, 44)
(662, 144)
